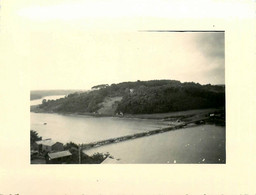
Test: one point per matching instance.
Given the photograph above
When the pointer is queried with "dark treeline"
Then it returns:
(171, 96)
(156, 96)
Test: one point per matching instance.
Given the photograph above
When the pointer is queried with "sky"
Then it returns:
(84, 59)
(79, 44)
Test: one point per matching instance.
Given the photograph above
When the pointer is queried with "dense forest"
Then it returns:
(141, 97)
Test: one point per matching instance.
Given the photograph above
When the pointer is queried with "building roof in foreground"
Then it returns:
(46, 142)
(61, 154)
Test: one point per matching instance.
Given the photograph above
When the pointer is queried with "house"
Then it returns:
(57, 146)
(58, 157)
(48, 145)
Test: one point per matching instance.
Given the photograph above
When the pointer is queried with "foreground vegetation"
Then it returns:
(40, 157)
(141, 97)
(96, 158)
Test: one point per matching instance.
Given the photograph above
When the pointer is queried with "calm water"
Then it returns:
(85, 129)
(201, 144)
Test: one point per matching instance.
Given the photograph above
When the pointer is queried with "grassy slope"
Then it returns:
(108, 107)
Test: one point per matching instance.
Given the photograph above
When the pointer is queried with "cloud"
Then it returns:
(211, 45)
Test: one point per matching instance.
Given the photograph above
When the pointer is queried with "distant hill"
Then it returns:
(141, 97)
(38, 94)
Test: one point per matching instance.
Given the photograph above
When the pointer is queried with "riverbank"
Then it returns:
(171, 116)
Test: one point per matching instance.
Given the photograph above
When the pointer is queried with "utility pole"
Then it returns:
(79, 153)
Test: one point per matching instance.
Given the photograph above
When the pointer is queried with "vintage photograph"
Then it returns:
(139, 97)
(127, 97)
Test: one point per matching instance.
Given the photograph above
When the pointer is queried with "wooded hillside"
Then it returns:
(142, 97)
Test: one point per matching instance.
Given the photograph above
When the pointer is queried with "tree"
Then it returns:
(71, 145)
(155, 96)
(100, 86)
(34, 136)
(43, 101)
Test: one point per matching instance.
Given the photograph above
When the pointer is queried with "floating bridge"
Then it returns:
(138, 135)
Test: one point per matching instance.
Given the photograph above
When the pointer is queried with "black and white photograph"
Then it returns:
(122, 97)
(128, 98)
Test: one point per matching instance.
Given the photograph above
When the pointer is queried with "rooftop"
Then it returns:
(46, 142)
(61, 154)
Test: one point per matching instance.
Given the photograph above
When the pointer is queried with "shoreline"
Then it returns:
(154, 116)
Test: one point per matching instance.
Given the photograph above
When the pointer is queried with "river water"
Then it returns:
(200, 144)
(86, 129)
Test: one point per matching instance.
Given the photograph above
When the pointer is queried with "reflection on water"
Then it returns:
(201, 144)
(85, 129)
